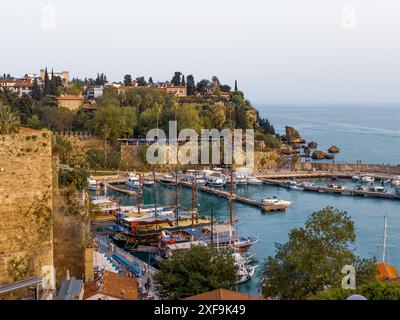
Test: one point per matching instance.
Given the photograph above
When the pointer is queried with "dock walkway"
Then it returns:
(226, 195)
(345, 192)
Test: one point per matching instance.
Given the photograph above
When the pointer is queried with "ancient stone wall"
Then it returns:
(26, 199)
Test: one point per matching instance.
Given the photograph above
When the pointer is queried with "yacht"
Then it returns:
(148, 182)
(254, 181)
(377, 189)
(276, 201)
(360, 187)
(215, 182)
(168, 180)
(92, 185)
(133, 180)
(241, 180)
(368, 179)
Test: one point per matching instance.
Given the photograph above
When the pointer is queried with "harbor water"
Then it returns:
(367, 213)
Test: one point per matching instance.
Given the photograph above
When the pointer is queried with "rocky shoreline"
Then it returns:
(293, 141)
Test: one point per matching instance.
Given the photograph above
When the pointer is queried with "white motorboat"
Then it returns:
(368, 179)
(148, 182)
(168, 180)
(133, 180)
(276, 201)
(355, 178)
(92, 185)
(241, 180)
(215, 182)
(254, 181)
(395, 182)
(244, 272)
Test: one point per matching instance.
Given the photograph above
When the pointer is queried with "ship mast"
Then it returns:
(193, 200)
(176, 197)
(139, 194)
(231, 200)
(154, 194)
(384, 238)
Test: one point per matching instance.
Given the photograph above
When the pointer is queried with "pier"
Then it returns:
(225, 194)
(344, 192)
(110, 185)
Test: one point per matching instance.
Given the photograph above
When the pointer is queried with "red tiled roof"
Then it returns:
(223, 294)
(113, 285)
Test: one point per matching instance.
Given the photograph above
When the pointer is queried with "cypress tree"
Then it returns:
(190, 85)
(183, 82)
(46, 90)
(236, 87)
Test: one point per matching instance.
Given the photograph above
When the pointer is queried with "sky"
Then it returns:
(279, 51)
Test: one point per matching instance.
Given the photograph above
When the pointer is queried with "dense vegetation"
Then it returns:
(313, 258)
(194, 271)
(136, 111)
(374, 290)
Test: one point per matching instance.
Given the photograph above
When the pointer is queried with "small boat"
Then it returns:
(335, 186)
(168, 180)
(355, 178)
(215, 182)
(377, 189)
(92, 185)
(294, 186)
(148, 182)
(244, 272)
(395, 182)
(360, 187)
(254, 181)
(133, 180)
(276, 201)
(307, 184)
(368, 179)
(241, 180)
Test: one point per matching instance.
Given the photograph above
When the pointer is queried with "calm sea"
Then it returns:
(370, 133)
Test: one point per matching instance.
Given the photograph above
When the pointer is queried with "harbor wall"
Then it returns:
(348, 167)
(26, 204)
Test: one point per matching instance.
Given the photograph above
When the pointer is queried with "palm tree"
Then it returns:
(9, 121)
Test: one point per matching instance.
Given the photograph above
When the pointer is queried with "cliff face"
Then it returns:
(26, 199)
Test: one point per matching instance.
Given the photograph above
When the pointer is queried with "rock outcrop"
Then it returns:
(292, 136)
(319, 155)
(334, 149)
(312, 145)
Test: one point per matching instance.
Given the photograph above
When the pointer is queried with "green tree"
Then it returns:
(313, 258)
(77, 178)
(190, 85)
(183, 82)
(34, 122)
(58, 119)
(151, 81)
(36, 92)
(127, 79)
(94, 158)
(374, 290)
(9, 121)
(147, 121)
(141, 81)
(194, 271)
(236, 87)
(188, 117)
(113, 160)
(176, 79)
(203, 86)
(25, 107)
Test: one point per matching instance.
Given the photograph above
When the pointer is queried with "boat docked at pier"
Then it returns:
(133, 180)
(368, 179)
(252, 180)
(93, 185)
(276, 201)
(168, 180)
